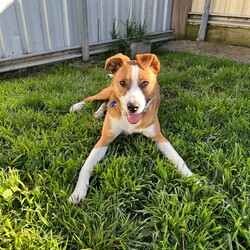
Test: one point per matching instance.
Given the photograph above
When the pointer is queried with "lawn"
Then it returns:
(137, 199)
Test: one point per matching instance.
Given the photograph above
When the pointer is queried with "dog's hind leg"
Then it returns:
(100, 111)
(103, 95)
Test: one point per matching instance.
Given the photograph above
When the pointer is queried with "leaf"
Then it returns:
(15, 189)
(7, 194)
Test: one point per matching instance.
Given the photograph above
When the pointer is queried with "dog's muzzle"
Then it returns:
(132, 107)
(134, 117)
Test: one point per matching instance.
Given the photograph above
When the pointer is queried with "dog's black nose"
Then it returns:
(132, 107)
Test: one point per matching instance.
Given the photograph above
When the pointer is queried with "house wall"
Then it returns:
(230, 7)
(229, 21)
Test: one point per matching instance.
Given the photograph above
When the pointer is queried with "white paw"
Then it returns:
(100, 112)
(76, 107)
(198, 182)
(77, 196)
(110, 75)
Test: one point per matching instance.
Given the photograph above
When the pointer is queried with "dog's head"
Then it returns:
(134, 82)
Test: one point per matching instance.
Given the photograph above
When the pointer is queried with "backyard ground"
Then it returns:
(137, 199)
(220, 50)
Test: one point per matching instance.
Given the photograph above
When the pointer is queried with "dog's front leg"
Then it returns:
(97, 153)
(81, 188)
(167, 149)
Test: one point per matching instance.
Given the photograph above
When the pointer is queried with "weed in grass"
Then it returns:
(137, 199)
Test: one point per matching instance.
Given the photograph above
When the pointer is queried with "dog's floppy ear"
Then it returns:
(148, 60)
(113, 63)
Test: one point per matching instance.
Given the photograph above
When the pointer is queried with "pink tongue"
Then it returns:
(134, 118)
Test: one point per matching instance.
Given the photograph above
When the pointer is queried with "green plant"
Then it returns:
(114, 32)
(134, 31)
(131, 31)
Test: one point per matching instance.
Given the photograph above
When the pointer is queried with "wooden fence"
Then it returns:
(229, 21)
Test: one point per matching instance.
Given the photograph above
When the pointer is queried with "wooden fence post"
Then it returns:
(180, 9)
(84, 29)
(204, 21)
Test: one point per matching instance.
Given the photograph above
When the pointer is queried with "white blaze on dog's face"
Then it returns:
(133, 101)
(134, 83)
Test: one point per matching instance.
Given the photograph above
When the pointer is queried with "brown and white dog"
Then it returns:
(133, 103)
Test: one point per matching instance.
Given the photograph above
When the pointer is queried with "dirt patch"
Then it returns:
(235, 53)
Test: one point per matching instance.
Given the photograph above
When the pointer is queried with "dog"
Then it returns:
(133, 100)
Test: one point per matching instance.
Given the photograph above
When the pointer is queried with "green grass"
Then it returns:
(137, 199)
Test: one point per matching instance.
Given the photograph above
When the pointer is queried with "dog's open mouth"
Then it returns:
(134, 118)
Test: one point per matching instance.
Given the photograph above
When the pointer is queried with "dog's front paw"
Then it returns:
(79, 193)
(76, 197)
(76, 107)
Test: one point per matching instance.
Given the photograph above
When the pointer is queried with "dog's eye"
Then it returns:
(144, 84)
(123, 83)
